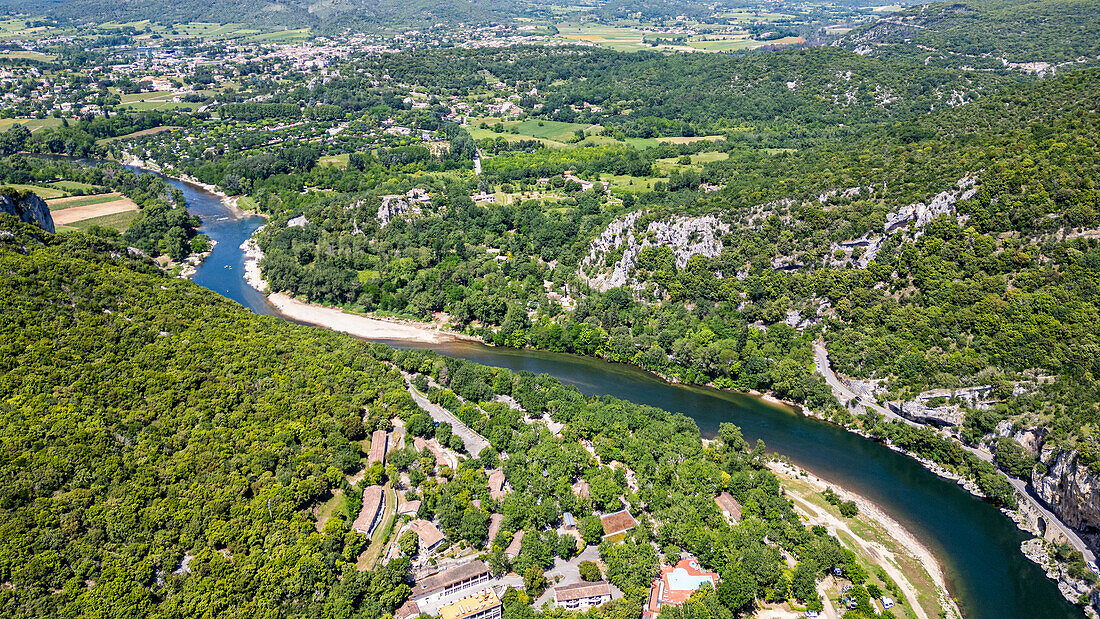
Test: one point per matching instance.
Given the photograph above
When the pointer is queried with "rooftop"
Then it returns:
(449, 577)
(618, 522)
(581, 590)
(427, 532)
(729, 505)
(472, 605)
(377, 447)
(408, 609)
(372, 502)
(513, 548)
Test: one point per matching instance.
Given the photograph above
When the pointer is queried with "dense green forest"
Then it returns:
(985, 34)
(162, 446)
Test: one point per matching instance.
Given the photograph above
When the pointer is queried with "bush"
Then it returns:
(590, 572)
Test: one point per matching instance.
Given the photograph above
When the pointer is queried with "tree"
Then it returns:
(409, 543)
(736, 591)
(590, 571)
(534, 581)
(1011, 457)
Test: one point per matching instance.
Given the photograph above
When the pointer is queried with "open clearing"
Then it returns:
(118, 221)
(42, 192)
(69, 216)
(138, 134)
(59, 204)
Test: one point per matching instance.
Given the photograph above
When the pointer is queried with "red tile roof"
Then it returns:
(372, 503)
(676, 584)
(729, 505)
(377, 447)
(618, 522)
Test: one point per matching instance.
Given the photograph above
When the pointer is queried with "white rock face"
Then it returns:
(922, 214)
(1071, 491)
(686, 236)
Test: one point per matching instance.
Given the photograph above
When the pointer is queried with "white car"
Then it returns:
(887, 602)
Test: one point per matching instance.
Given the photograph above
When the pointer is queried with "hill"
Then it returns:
(1039, 36)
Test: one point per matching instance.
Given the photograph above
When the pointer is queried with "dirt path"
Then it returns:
(880, 555)
(876, 551)
(80, 213)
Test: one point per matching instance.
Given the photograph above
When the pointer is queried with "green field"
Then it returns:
(337, 161)
(34, 124)
(630, 39)
(551, 132)
(86, 201)
(73, 186)
(118, 221)
(621, 39)
(42, 192)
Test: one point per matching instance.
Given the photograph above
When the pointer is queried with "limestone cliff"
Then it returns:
(27, 206)
(1072, 492)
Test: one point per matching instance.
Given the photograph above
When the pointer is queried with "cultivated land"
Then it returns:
(97, 209)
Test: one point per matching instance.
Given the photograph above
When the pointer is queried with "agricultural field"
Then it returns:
(138, 134)
(117, 221)
(553, 133)
(73, 211)
(623, 39)
(34, 124)
(632, 39)
(58, 204)
(45, 193)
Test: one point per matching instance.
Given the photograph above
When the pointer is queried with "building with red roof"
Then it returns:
(675, 585)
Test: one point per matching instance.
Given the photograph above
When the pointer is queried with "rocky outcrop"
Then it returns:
(1071, 492)
(941, 416)
(27, 206)
(922, 214)
(686, 236)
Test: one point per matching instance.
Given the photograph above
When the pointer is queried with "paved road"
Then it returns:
(474, 442)
(844, 394)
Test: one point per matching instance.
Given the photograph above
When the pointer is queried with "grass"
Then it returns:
(337, 161)
(247, 203)
(551, 132)
(620, 183)
(34, 124)
(43, 192)
(118, 221)
(26, 55)
(630, 39)
(84, 201)
(623, 39)
(138, 134)
(72, 186)
(331, 507)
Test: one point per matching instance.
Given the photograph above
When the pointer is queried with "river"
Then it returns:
(978, 546)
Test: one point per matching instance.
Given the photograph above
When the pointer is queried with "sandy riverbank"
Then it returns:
(893, 528)
(230, 202)
(337, 319)
(360, 326)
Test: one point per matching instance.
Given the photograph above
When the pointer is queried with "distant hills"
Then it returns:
(365, 14)
(986, 34)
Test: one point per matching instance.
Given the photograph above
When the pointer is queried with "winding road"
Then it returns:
(846, 395)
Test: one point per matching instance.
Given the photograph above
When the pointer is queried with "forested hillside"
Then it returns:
(1024, 35)
(162, 448)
